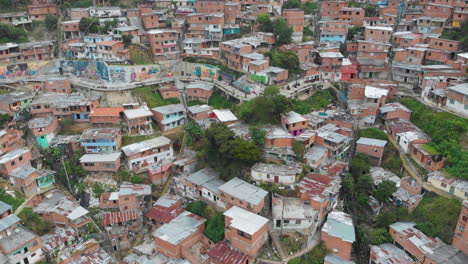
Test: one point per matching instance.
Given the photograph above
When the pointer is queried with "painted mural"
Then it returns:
(113, 73)
(129, 74)
(206, 71)
(20, 70)
(93, 70)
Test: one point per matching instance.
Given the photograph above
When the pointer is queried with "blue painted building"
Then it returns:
(333, 37)
(101, 140)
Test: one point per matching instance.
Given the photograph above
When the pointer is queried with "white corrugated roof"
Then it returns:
(245, 221)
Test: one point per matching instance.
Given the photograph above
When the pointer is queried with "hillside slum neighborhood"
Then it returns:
(233, 131)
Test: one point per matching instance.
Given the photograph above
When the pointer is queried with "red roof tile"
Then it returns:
(163, 214)
(107, 111)
(110, 218)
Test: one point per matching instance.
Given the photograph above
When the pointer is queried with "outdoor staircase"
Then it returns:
(275, 239)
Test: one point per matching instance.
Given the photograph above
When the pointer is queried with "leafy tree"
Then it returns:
(89, 24)
(245, 151)
(4, 118)
(127, 39)
(310, 7)
(97, 190)
(197, 207)
(265, 22)
(10, 33)
(195, 132)
(379, 236)
(445, 130)
(35, 222)
(308, 32)
(266, 108)
(353, 31)
(384, 191)
(298, 148)
(258, 137)
(282, 31)
(287, 60)
(137, 179)
(109, 24)
(51, 22)
(214, 228)
(292, 4)
(359, 166)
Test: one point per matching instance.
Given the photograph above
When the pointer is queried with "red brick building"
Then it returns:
(224, 253)
(189, 229)
(338, 234)
(421, 153)
(294, 123)
(165, 209)
(163, 44)
(246, 231)
(106, 115)
(10, 139)
(102, 162)
(237, 192)
(14, 159)
(169, 92)
(58, 85)
(39, 9)
(371, 147)
(382, 34)
(460, 237)
(413, 241)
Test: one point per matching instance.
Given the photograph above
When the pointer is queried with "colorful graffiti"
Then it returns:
(112, 73)
(93, 70)
(206, 71)
(21, 69)
(126, 74)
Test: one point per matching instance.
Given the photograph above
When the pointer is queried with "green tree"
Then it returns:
(137, 179)
(127, 39)
(287, 60)
(359, 166)
(195, 132)
(266, 108)
(89, 25)
(35, 222)
(265, 22)
(282, 31)
(384, 191)
(353, 31)
(245, 151)
(51, 22)
(298, 148)
(10, 33)
(379, 236)
(258, 137)
(310, 7)
(214, 228)
(4, 118)
(292, 4)
(197, 207)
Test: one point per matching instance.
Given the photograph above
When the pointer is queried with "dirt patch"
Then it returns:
(72, 128)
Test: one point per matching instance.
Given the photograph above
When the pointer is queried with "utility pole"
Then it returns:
(59, 38)
(66, 174)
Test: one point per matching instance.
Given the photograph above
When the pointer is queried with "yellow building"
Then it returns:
(457, 188)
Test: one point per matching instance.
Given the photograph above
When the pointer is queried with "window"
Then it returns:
(375, 150)
(12, 163)
(452, 101)
(21, 158)
(444, 185)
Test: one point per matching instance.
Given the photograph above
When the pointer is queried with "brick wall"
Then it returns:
(337, 246)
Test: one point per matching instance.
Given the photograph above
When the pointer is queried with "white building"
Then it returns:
(457, 98)
(276, 173)
(142, 155)
(292, 214)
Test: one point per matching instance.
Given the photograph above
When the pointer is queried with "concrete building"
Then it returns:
(457, 188)
(394, 111)
(39, 9)
(294, 123)
(101, 162)
(17, 244)
(10, 139)
(15, 18)
(44, 130)
(74, 106)
(200, 91)
(338, 234)
(293, 214)
(101, 140)
(58, 85)
(130, 196)
(245, 231)
(458, 98)
(275, 173)
(139, 120)
(145, 154)
(165, 209)
(14, 103)
(169, 117)
(198, 112)
(164, 44)
(295, 18)
(427, 156)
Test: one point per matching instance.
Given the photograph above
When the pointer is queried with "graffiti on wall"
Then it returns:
(113, 73)
(129, 74)
(93, 70)
(20, 69)
(206, 71)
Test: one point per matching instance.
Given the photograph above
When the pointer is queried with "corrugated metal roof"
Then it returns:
(244, 191)
(340, 225)
(245, 221)
(371, 142)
